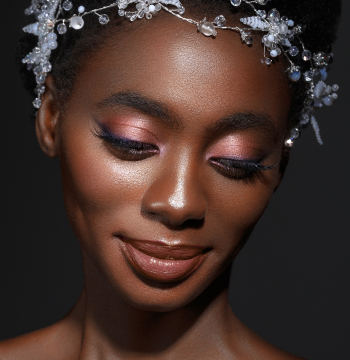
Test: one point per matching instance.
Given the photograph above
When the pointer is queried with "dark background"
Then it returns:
(291, 282)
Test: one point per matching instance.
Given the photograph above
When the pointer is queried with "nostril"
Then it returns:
(193, 223)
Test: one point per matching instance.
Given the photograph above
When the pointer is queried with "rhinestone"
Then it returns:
(103, 19)
(40, 89)
(335, 87)
(123, 4)
(306, 55)
(40, 79)
(249, 40)
(334, 96)
(42, 29)
(77, 22)
(37, 103)
(299, 29)
(294, 133)
(67, 5)
(207, 28)
(38, 70)
(304, 119)
(236, 2)
(47, 67)
(262, 2)
(62, 28)
(134, 17)
(308, 75)
(289, 143)
(321, 59)
(158, 7)
(268, 61)
(220, 20)
(273, 53)
(181, 10)
(121, 12)
(274, 16)
(284, 19)
(262, 13)
(293, 51)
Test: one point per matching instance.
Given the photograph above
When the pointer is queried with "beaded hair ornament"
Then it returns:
(280, 34)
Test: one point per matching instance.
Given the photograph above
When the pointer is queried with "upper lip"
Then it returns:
(161, 250)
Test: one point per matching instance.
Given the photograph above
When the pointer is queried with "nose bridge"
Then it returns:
(176, 194)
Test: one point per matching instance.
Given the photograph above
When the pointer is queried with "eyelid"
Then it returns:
(130, 124)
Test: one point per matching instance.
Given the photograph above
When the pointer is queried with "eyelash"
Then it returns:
(239, 169)
(132, 150)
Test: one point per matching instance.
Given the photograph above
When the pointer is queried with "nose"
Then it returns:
(176, 196)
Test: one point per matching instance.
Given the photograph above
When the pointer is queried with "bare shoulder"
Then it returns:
(55, 342)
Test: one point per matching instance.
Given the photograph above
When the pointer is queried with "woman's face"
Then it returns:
(163, 146)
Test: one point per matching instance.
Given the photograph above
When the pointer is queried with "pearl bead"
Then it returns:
(273, 53)
(207, 28)
(51, 36)
(81, 9)
(152, 8)
(77, 22)
(271, 38)
(52, 44)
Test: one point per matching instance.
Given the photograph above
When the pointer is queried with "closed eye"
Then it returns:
(239, 169)
(126, 149)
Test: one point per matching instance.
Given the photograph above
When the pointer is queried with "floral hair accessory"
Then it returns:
(282, 37)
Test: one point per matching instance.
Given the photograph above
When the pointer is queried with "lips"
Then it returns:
(161, 262)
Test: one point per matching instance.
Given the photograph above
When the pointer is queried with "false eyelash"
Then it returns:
(122, 143)
(244, 164)
(240, 169)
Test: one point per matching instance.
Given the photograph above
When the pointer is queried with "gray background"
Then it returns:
(291, 281)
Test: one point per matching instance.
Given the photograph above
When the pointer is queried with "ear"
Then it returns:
(46, 124)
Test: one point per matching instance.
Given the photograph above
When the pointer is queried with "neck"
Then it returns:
(114, 329)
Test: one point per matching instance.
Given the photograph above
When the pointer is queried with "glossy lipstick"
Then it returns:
(161, 262)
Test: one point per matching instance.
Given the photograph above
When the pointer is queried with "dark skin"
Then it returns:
(195, 101)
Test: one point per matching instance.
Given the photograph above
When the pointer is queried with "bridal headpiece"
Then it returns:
(281, 38)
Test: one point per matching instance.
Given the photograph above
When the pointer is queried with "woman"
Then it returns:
(171, 146)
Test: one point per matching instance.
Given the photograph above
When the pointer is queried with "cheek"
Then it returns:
(97, 186)
(239, 209)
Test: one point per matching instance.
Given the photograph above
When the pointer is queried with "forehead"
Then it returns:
(166, 59)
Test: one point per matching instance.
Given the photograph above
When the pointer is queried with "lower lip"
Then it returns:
(161, 269)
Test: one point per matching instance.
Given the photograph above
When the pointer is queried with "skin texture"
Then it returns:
(166, 85)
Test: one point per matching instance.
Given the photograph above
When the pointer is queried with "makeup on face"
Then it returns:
(134, 135)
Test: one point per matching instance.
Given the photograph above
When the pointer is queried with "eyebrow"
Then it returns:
(145, 105)
(262, 122)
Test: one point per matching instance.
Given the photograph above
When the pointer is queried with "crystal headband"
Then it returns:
(280, 35)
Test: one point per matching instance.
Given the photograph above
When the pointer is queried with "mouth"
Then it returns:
(162, 262)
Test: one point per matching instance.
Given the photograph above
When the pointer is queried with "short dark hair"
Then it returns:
(320, 18)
